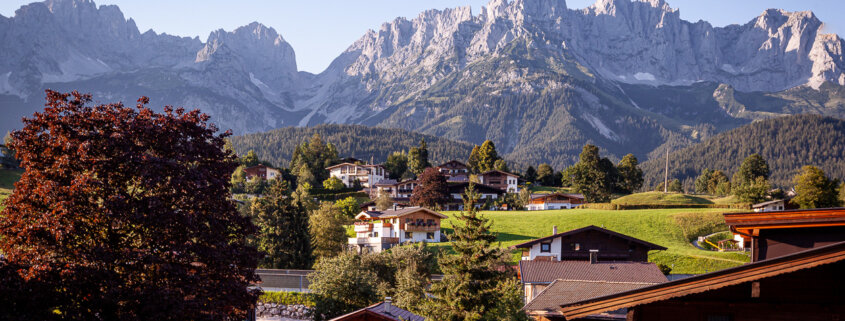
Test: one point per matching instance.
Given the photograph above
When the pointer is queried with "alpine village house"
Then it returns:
(376, 231)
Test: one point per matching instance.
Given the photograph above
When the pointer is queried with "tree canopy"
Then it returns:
(814, 189)
(124, 209)
(432, 190)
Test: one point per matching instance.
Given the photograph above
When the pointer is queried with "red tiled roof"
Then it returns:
(548, 271)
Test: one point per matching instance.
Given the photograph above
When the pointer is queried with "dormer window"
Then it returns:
(545, 247)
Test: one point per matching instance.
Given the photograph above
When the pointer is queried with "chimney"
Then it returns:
(394, 206)
(594, 256)
(554, 229)
(386, 305)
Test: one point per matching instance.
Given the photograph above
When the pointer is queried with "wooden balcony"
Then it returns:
(373, 240)
(362, 227)
(412, 227)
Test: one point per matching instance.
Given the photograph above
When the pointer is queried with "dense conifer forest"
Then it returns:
(361, 142)
(786, 143)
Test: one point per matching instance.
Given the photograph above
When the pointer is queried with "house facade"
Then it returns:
(261, 171)
(502, 180)
(554, 201)
(398, 191)
(770, 206)
(455, 171)
(376, 231)
(367, 175)
(585, 244)
(485, 193)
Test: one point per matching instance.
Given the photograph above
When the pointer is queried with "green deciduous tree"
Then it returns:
(328, 236)
(501, 165)
(752, 167)
(333, 184)
(310, 159)
(396, 165)
(753, 192)
(590, 176)
(250, 159)
(630, 175)
(545, 175)
(282, 229)
(702, 182)
(432, 190)
(719, 183)
(814, 189)
(384, 201)
(349, 207)
(341, 285)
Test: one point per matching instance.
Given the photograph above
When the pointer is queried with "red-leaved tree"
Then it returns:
(126, 212)
(432, 190)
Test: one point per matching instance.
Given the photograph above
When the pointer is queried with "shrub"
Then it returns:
(287, 298)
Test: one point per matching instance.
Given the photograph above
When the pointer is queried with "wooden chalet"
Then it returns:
(502, 180)
(587, 243)
(554, 201)
(774, 234)
(383, 311)
(455, 171)
(261, 171)
(806, 285)
(376, 231)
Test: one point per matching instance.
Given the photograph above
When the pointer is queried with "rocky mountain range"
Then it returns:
(536, 77)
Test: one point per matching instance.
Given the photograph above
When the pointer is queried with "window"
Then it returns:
(375, 234)
(575, 246)
(545, 247)
(429, 236)
(409, 235)
(429, 222)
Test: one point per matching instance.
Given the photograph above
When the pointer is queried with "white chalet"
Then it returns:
(376, 231)
(368, 175)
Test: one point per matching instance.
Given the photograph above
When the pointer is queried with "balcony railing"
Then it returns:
(424, 227)
(363, 227)
(373, 240)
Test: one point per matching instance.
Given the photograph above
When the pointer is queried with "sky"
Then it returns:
(319, 30)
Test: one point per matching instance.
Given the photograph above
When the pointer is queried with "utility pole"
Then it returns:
(666, 173)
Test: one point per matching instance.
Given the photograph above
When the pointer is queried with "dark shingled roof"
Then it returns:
(398, 213)
(548, 271)
(562, 292)
(651, 246)
(390, 313)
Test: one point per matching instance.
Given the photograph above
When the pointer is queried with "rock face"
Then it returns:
(522, 73)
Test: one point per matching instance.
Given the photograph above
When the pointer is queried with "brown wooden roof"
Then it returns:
(547, 271)
(396, 213)
(746, 223)
(498, 171)
(568, 195)
(710, 281)
(562, 292)
(650, 246)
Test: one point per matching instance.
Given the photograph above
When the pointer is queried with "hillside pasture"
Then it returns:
(671, 228)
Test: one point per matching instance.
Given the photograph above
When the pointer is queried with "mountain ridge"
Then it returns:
(536, 77)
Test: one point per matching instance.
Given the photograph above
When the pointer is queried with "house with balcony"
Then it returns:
(376, 231)
(502, 180)
(554, 201)
(485, 193)
(261, 171)
(398, 191)
(590, 242)
(367, 175)
(455, 171)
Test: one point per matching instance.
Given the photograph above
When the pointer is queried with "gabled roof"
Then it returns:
(350, 164)
(570, 195)
(452, 162)
(562, 292)
(710, 281)
(651, 246)
(498, 171)
(386, 182)
(396, 213)
(746, 223)
(378, 311)
(548, 271)
(766, 203)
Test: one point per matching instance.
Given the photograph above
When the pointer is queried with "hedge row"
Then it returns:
(616, 207)
(287, 298)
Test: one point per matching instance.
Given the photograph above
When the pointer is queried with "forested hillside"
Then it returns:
(787, 143)
(362, 142)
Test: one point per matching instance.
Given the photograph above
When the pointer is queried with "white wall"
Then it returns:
(555, 250)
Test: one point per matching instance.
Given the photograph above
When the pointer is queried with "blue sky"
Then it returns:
(320, 30)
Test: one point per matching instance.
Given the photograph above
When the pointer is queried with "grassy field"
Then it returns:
(671, 228)
(7, 183)
(660, 198)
